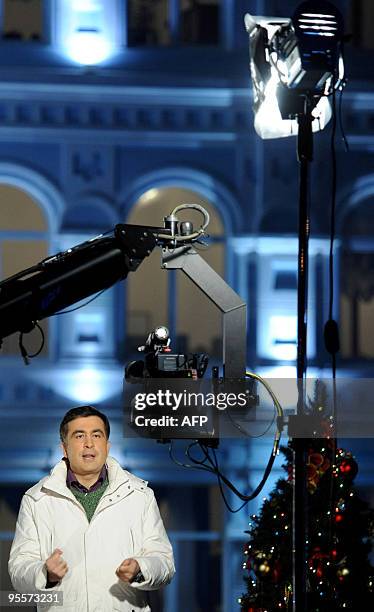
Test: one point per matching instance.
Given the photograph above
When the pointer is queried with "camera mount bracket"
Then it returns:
(233, 308)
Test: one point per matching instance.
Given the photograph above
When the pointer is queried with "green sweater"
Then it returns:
(90, 500)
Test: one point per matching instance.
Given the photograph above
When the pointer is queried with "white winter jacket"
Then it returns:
(126, 524)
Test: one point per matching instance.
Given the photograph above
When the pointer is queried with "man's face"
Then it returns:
(86, 446)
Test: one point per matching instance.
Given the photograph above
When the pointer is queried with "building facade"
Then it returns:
(115, 112)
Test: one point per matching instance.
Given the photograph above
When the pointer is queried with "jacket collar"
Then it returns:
(56, 481)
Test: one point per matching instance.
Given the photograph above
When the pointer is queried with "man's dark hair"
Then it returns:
(82, 411)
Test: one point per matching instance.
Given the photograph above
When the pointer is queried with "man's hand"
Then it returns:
(56, 566)
(128, 570)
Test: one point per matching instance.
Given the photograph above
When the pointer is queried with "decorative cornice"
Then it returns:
(193, 114)
(125, 94)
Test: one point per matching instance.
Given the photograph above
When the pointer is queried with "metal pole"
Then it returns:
(300, 498)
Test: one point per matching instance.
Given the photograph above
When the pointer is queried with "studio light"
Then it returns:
(162, 333)
(294, 62)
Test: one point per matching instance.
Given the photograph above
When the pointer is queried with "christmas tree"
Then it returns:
(340, 524)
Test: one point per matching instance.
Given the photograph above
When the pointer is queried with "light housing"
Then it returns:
(291, 61)
(161, 333)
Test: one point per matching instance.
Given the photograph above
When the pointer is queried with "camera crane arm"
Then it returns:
(73, 275)
(68, 277)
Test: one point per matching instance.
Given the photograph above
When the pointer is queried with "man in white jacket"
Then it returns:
(91, 529)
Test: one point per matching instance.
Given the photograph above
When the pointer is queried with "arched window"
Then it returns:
(23, 242)
(159, 297)
(87, 333)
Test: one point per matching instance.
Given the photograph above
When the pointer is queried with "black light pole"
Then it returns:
(300, 497)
